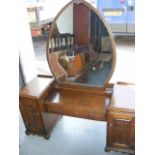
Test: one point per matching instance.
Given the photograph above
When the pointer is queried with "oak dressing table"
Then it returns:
(80, 88)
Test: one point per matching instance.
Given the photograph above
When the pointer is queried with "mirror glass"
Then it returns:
(80, 49)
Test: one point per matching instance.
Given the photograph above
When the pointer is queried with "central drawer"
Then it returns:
(87, 106)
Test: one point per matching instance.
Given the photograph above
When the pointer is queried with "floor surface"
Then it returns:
(71, 136)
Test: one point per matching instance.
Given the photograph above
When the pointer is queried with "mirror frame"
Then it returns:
(82, 85)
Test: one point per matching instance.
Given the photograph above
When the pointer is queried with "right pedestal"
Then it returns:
(121, 120)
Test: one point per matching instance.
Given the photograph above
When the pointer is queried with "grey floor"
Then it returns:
(71, 136)
(75, 136)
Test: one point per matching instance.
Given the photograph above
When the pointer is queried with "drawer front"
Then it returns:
(121, 130)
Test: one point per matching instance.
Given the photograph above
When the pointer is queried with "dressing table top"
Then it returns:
(36, 87)
(123, 98)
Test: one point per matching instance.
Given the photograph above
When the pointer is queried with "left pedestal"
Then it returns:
(36, 122)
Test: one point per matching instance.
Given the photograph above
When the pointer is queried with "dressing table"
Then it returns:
(81, 56)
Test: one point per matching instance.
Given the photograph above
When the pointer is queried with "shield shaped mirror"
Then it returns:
(80, 46)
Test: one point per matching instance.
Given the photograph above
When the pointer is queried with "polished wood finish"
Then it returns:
(121, 120)
(42, 102)
(45, 99)
(36, 88)
(74, 104)
(36, 122)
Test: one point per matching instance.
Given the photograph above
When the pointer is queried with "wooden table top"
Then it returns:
(36, 87)
(123, 97)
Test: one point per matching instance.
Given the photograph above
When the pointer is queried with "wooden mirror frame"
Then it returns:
(81, 85)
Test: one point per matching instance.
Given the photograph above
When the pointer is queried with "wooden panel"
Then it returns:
(81, 23)
(30, 99)
(132, 138)
(32, 118)
(121, 120)
(49, 121)
(119, 130)
(77, 105)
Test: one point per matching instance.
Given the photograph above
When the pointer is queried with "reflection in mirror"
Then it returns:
(80, 48)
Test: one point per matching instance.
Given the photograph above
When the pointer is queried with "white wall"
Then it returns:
(65, 21)
(11, 23)
(52, 7)
(25, 45)
(93, 2)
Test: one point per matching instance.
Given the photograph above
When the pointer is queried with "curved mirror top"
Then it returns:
(80, 49)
